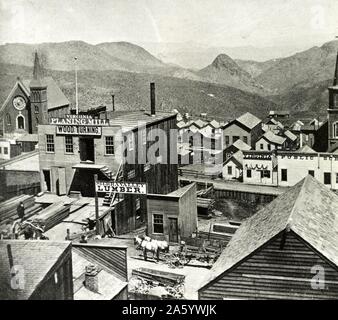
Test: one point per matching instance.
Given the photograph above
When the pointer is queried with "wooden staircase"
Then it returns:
(110, 197)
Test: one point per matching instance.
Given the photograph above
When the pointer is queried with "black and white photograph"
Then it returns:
(177, 150)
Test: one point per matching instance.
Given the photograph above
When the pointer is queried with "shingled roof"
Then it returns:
(35, 256)
(273, 138)
(249, 120)
(309, 209)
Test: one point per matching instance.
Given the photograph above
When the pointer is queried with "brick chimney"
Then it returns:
(152, 98)
(91, 278)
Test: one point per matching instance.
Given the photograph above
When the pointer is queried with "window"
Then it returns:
(227, 140)
(269, 146)
(0, 149)
(336, 176)
(158, 223)
(8, 119)
(234, 139)
(109, 145)
(130, 142)
(335, 130)
(36, 109)
(229, 170)
(245, 139)
(284, 175)
(312, 173)
(261, 146)
(265, 174)
(50, 143)
(5, 150)
(20, 122)
(248, 173)
(327, 178)
(69, 144)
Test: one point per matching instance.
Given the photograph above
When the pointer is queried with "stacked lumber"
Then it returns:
(163, 277)
(52, 215)
(8, 208)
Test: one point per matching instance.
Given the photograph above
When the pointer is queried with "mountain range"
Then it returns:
(297, 82)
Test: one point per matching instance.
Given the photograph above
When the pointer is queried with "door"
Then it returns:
(87, 152)
(173, 230)
(62, 181)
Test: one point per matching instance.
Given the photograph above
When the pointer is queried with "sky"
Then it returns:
(228, 23)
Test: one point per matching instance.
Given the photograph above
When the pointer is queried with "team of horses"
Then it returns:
(146, 244)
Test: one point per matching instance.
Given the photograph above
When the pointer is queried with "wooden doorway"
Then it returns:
(87, 150)
(173, 230)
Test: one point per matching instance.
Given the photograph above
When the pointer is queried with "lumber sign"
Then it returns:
(121, 187)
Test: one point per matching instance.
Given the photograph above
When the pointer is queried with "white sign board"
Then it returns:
(79, 130)
(121, 187)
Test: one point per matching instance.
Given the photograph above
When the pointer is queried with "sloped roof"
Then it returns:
(55, 97)
(309, 209)
(215, 124)
(241, 145)
(237, 158)
(182, 124)
(249, 120)
(290, 135)
(35, 256)
(306, 149)
(200, 123)
(271, 137)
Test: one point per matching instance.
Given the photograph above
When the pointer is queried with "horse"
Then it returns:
(147, 244)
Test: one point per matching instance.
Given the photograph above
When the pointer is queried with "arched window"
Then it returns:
(8, 119)
(20, 122)
(335, 129)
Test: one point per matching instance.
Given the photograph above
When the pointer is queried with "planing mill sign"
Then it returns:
(79, 125)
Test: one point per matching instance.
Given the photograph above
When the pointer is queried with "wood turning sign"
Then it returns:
(121, 187)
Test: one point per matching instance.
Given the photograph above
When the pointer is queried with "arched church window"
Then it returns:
(20, 122)
(36, 107)
(8, 119)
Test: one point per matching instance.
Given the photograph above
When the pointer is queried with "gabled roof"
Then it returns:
(241, 145)
(309, 209)
(306, 149)
(215, 124)
(199, 123)
(249, 120)
(290, 135)
(36, 257)
(18, 83)
(237, 158)
(273, 138)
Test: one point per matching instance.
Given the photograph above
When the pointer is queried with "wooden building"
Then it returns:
(333, 112)
(173, 217)
(247, 128)
(99, 271)
(42, 270)
(115, 148)
(270, 141)
(31, 102)
(288, 250)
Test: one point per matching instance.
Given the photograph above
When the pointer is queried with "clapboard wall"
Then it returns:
(272, 273)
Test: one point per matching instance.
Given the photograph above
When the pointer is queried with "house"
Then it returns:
(9, 148)
(273, 125)
(173, 217)
(291, 142)
(247, 128)
(270, 141)
(287, 250)
(260, 167)
(31, 102)
(233, 166)
(99, 271)
(279, 114)
(35, 270)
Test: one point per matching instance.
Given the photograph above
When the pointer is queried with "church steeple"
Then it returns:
(37, 81)
(335, 79)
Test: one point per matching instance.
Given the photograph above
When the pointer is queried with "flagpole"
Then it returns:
(76, 92)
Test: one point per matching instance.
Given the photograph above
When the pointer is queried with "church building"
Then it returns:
(31, 102)
(333, 113)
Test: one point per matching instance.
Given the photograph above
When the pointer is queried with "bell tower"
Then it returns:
(333, 111)
(38, 97)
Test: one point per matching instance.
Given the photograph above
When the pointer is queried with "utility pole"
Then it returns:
(76, 93)
(96, 208)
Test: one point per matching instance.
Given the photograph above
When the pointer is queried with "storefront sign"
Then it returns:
(79, 130)
(121, 187)
(257, 156)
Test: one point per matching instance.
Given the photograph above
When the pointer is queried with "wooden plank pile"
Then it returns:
(8, 208)
(52, 215)
(166, 278)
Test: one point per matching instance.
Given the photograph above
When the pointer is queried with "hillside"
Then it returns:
(224, 70)
(309, 67)
(132, 92)
(255, 68)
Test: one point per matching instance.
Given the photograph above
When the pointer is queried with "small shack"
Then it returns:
(173, 216)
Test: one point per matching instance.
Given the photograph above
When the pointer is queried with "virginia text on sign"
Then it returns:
(121, 187)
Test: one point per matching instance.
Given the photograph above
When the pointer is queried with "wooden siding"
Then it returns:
(112, 258)
(271, 273)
